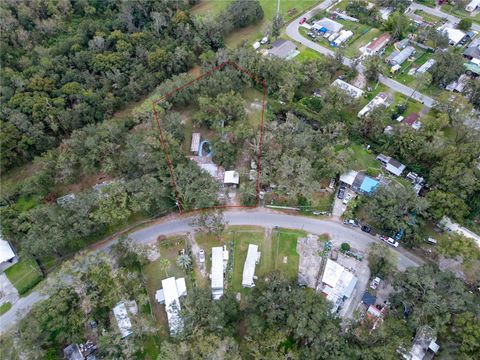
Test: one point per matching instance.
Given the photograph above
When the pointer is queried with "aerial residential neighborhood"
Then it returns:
(240, 179)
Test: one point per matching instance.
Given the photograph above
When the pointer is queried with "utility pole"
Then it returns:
(278, 8)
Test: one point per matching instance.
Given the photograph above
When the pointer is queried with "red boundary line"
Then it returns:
(260, 145)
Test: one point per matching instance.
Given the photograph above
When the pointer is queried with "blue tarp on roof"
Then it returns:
(368, 185)
(323, 29)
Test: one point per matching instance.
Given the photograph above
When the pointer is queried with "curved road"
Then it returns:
(440, 14)
(266, 218)
(338, 233)
(293, 32)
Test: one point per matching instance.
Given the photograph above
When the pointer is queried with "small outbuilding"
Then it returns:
(194, 147)
(232, 177)
(123, 320)
(253, 256)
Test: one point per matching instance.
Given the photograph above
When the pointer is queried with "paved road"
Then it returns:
(438, 13)
(261, 217)
(19, 309)
(293, 32)
(258, 217)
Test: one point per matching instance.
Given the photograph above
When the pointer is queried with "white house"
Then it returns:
(338, 283)
(216, 276)
(454, 35)
(472, 6)
(194, 147)
(380, 99)
(351, 90)
(121, 315)
(391, 165)
(344, 36)
(172, 290)
(253, 256)
(326, 24)
(7, 255)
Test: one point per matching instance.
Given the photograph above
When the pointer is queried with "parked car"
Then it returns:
(201, 256)
(431, 240)
(375, 282)
(389, 240)
(351, 222)
(341, 192)
(366, 228)
(347, 199)
(312, 35)
(264, 40)
(302, 20)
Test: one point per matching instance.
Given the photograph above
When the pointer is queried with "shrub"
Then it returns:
(345, 247)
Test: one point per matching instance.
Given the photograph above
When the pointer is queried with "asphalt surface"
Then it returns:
(266, 218)
(19, 309)
(438, 13)
(293, 32)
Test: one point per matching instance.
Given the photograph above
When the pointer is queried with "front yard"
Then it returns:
(24, 275)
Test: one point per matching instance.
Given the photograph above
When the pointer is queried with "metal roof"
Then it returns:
(6, 251)
(249, 266)
(217, 271)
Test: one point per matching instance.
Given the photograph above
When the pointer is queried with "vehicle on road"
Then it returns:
(302, 20)
(375, 282)
(351, 222)
(201, 256)
(366, 228)
(389, 240)
(341, 192)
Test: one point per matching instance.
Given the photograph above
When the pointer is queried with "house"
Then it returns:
(417, 181)
(216, 276)
(349, 89)
(7, 255)
(123, 320)
(338, 283)
(232, 177)
(172, 290)
(425, 66)
(412, 120)
(400, 57)
(283, 49)
(359, 182)
(424, 345)
(459, 85)
(391, 165)
(473, 50)
(253, 257)
(377, 45)
(326, 24)
(380, 99)
(454, 35)
(344, 36)
(385, 12)
(472, 5)
(449, 226)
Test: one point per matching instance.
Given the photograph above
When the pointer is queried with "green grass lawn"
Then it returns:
(24, 275)
(461, 13)
(306, 54)
(285, 251)
(363, 159)
(5, 307)
(412, 105)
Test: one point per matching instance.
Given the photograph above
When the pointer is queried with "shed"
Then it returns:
(256, 45)
(368, 299)
(249, 266)
(349, 177)
(217, 272)
(232, 177)
(195, 143)
(72, 352)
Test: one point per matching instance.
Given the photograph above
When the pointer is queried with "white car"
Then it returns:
(201, 256)
(375, 282)
(389, 241)
(347, 198)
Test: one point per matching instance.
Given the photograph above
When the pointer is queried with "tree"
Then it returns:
(374, 66)
(393, 207)
(443, 203)
(465, 24)
(211, 222)
(277, 24)
(243, 13)
(164, 264)
(398, 25)
(184, 261)
(382, 261)
(447, 68)
(112, 205)
(466, 333)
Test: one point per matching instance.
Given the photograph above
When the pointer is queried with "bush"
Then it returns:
(345, 247)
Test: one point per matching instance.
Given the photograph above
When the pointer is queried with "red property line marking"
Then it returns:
(260, 144)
